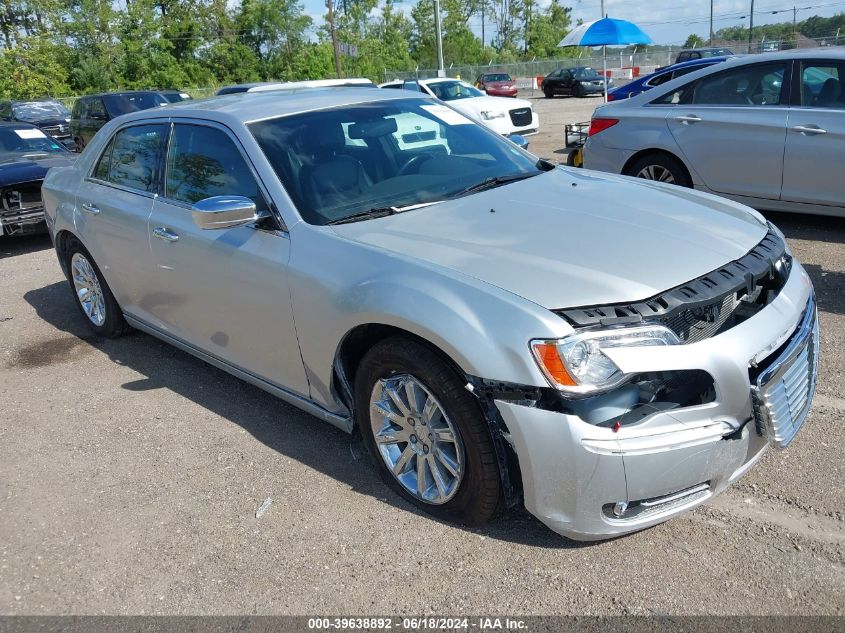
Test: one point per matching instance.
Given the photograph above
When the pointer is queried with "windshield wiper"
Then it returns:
(379, 212)
(494, 181)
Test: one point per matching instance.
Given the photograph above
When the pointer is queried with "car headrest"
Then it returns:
(323, 139)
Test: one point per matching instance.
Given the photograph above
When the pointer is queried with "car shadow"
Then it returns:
(301, 436)
(24, 244)
(829, 284)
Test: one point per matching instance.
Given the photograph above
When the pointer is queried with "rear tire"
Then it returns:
(661, 168)
(92, 294)
(426, 421)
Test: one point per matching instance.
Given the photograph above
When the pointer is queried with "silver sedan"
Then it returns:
(765, 130)
(499, 330)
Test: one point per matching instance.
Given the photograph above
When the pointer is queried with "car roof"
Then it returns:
(262, 86)
(120, 93)
(246, 107)
(436, 80)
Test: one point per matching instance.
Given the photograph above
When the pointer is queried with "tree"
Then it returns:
(694, 41)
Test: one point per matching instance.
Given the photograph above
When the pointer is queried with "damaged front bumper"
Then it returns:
(589, 481)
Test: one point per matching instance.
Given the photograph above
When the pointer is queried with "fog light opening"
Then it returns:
(619, 509)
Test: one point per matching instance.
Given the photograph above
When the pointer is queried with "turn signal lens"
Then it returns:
(598, 124)
(551, 363)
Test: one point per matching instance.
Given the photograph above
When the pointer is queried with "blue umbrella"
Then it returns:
(606, 32)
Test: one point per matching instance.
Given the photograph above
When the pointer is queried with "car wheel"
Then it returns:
(547, 92)
(93, 295)
(426, 432)
(80, 144)
(660, 167)
(578, 91)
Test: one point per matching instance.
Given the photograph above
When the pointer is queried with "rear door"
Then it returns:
(113, 205)
(731, 128)
(815, 136)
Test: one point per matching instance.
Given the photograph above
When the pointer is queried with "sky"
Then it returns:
(666, 21)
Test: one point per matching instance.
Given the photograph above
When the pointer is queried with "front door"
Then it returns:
(730, 127)
(223, 291)
(815, 137)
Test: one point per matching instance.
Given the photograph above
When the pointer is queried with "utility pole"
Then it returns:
(751, 27)
(335, 47)
(440, 71)
(710, 42)
(483, 39)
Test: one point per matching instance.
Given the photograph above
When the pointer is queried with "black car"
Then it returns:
(579, 81)
(49, 115)
(26, 153)
(699, 53)
(92, 112)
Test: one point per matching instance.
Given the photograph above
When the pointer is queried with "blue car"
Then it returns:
(660, 76)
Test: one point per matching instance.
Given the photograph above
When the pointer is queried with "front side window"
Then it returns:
(412, 151)
(135, 153)
(203, 162)
(751, 85)
(96, 109)
(822, 85)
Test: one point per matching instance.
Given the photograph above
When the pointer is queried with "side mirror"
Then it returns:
(519, 140)
(225, 212)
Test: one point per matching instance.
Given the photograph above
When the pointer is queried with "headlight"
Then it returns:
(489, 114)
(577, 364)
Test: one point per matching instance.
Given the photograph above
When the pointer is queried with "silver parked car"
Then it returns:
(500, 331)
(766, 130)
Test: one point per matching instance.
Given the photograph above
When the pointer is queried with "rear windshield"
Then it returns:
(125, 103)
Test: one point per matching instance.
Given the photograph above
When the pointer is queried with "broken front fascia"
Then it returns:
(572, 470)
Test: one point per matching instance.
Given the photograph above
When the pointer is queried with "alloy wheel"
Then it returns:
(88, 289)
(418, 442)
(656, 172)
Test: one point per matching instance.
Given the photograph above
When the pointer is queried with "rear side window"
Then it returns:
(751, 85)
(134, 157)
(204, 162)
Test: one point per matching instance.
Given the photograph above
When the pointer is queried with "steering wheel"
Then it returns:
(413, 164)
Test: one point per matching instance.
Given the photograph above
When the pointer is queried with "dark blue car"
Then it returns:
(661, 76)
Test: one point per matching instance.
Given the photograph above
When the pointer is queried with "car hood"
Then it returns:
(567, 239)
(15, 169)
(475, 105)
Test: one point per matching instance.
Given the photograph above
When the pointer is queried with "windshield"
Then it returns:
(39, 111)
(386, 155)
(497, 77)
(584, 73)
(118, 104)
(176, 97)
(453, 90)
(21, 142)
(716, 52)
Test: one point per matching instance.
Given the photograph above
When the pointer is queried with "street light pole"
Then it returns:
(439, 36)
(710, 42)
(751, 27)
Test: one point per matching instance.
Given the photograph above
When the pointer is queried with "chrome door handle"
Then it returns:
(688, 118)
(809, 129)
(165, 234)
(90, 208)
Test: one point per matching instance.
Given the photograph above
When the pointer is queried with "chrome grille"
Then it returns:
(521, 117)
(784, 391)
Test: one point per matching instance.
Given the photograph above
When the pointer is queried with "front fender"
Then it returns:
(483, 329)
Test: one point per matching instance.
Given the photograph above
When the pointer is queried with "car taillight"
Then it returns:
(611, 97)
(600, 125)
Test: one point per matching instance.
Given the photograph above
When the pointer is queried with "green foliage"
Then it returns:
(71, 47)
(694, 41)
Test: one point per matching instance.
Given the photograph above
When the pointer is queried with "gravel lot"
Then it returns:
(130, 476)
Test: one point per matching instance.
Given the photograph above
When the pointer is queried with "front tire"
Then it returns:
(662, 168)
(578, 91)
(548, 93)
(426, 433)
(93, 296)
